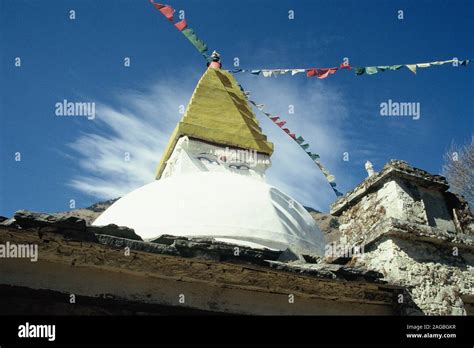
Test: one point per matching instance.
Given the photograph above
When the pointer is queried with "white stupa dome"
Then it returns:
(225, 206)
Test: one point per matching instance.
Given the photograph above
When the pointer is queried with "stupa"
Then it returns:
(211, 183)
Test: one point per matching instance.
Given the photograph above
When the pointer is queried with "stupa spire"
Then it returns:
(218, 113)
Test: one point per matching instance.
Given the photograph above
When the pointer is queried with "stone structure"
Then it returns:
(414, 232)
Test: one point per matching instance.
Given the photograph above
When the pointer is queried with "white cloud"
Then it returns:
(141, 123)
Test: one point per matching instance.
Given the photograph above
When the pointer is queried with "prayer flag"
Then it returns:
(300, 140)
(412, 67)
(181, 25)
(297, 71)
(395, 67)
(311, 72)
(166, 10)
(198, 43)
(320, 73)
(157, 6)
(423, 65)
(370, 70)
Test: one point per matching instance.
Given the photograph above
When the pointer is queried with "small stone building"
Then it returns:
(416, 233)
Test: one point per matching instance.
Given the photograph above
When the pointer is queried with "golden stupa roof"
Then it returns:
(219, 113)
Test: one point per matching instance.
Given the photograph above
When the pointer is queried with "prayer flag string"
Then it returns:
(182, 26)
(322, 73)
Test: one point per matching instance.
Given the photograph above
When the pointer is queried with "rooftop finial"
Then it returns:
(216, 60)
(369, 168)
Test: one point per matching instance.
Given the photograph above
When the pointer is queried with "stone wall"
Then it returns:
(436, 279)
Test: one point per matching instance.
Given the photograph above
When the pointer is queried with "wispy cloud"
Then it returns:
(137, 127)
(140, 124)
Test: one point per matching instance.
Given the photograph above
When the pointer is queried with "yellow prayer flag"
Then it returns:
(412, 67)
(441, 62)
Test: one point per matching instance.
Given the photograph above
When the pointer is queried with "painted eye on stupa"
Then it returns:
(207, 160)
(239, 166)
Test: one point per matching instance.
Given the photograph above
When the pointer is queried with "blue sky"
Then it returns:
(82, 60)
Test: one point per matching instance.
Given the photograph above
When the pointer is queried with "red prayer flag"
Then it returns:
(281, 123)
(293, 135)
(345, 66)
(181, 25)
(320, 73)
(274, 118)
(326, 72)
(166, 10)
(157, 6)
(287, 131)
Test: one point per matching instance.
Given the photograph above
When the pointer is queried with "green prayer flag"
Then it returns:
(313, 155)
(299, 140)
(395, 67)
(198, 43)
(359, 71)
(370, 70)
(304, 146)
